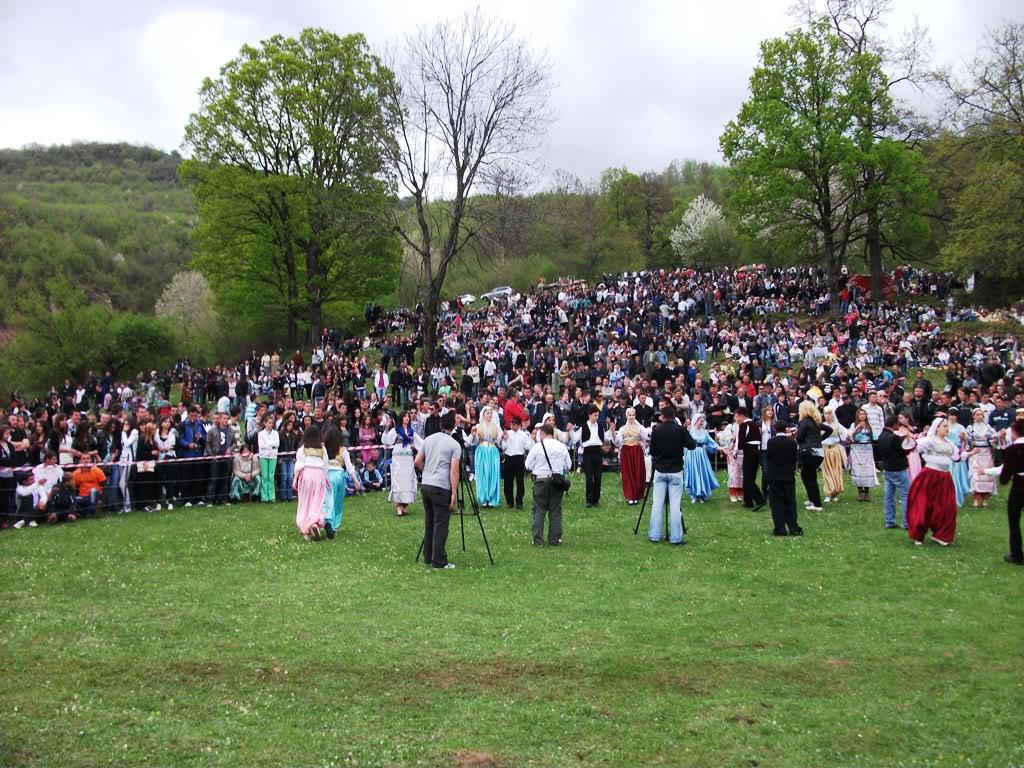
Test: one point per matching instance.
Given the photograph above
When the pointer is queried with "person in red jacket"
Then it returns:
(514, 409)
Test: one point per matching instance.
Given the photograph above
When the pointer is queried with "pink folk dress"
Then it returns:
(311, 485)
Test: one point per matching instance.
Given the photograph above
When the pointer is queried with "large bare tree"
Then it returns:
(473, 105)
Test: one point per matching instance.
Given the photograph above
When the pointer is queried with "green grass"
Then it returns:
(219, 638)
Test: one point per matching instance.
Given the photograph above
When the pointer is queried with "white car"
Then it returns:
(467, 298)
(502, 292)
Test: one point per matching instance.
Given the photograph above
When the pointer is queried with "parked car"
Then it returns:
(499, 293)
(466, 298)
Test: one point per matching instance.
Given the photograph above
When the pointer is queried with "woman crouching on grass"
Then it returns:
(338, 466)
(311, 484)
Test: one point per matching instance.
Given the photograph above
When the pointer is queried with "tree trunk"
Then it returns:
(314, 308)
(874, 239)
(428, 324)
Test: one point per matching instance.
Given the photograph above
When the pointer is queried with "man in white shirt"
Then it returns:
(515, 443)
(545, 458)
(875, 414)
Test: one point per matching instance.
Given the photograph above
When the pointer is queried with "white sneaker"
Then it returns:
(33, 524)
(170, 506)
(158, 507)
(940, 542)
(918, 543)
(200, 503)
(808, 504)
(188, 505)
(814, 509)
(693, 501)
(449, 567)
(20, 524)
(827, 499)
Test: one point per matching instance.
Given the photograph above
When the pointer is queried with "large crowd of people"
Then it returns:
(738, 358)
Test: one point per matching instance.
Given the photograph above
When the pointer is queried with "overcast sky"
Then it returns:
(638, 83)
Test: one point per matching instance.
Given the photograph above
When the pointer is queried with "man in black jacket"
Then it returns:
(782, 452)
(667, 443)
(895, 469)
(748, 444)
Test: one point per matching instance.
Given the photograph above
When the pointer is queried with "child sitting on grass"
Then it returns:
(372, 478)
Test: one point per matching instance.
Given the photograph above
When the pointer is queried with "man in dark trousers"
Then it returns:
(748, 441)
(439, 462)
(782, 451)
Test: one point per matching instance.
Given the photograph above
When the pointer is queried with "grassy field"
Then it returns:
(219, 638)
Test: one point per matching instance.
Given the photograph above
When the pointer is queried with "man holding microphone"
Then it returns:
(439, 463)
(667, 443)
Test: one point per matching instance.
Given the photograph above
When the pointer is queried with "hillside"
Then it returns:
(112, 217)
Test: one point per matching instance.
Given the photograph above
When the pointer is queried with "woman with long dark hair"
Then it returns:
(145, 488)
(166, 467)
(311, 484)
(126, 461)
(862, 455)
(405, 443)
(289, 444)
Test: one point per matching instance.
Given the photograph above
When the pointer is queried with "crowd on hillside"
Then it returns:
(606, 354)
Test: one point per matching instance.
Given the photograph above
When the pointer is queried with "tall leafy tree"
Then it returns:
(985, 103)
(290, 170)
(796, 150)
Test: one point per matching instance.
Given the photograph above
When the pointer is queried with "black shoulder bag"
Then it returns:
(558, 481)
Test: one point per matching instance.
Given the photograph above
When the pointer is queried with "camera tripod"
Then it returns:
(465, 492)
(643, 506)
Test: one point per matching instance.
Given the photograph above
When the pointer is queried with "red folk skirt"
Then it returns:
(931, 506)
(634, 472)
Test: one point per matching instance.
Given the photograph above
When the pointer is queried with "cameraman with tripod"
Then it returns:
(439, 462)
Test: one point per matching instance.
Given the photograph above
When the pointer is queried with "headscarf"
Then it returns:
(697, 430)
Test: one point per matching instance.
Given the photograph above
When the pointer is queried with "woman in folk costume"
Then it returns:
(862, 455)
(981, 439)
(698, 476)
(630, 439)
(487, 459)
(405, 444)
(311, 484)
(733, 461)
(562, 437)
(835, 456)
(958, 439)
(339, 464)
(931, 503)
(913, 458)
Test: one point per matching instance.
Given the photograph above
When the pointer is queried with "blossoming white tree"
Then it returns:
(703, 235)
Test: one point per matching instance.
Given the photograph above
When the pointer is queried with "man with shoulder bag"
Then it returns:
(547, 463)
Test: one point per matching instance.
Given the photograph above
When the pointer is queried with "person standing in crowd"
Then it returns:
(516, 443)
(668, 441)
(166, 440)
(748, 442)
(268, 444)
(146, 489)
(768, 426)
(191, 448)
(733, 461)
(1012, 473)
(547, 457)
(439, 465)
(931, 503)
(310, 484)
(782, 455)
(862, 455)
(698, 476)
(339, 470)
(809, 434)
(981, 440)
(834, 462)
(487, 459)
(893, 448)
(632, 466)
(289, 442)
(221, 444)
(592, 441)
(129, 445)
(405, 443)
(957, 438)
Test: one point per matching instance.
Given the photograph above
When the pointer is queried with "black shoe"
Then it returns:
(759, 507)
(1012, 560)
(519, 506)
(329, 529)
(589, 505)
(780, 533)
(797, 532)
